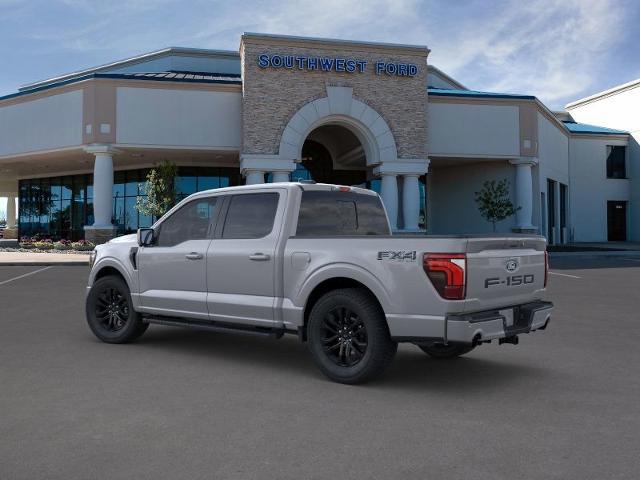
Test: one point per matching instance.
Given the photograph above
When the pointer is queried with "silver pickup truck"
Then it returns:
(318, 261)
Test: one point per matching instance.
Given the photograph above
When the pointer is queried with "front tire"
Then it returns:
(110, 313)
(348, 336)
(451, 350)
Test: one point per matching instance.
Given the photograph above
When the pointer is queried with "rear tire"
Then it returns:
(440, 350)
(110, 313)
(348, 336)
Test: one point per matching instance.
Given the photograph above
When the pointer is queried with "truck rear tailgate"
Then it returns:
(504, 271)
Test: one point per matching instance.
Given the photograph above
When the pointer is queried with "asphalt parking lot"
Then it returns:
(564, 404)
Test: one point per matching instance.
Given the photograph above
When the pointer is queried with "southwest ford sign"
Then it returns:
(331, 64)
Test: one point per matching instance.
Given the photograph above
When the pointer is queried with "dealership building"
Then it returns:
(75, 149)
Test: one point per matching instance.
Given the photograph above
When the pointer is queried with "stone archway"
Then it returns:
(340, 108)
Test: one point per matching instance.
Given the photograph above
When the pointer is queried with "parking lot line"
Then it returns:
(632, 259)
(25, 275)
(564, 275)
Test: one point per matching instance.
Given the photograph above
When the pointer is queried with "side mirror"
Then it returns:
(146, 237)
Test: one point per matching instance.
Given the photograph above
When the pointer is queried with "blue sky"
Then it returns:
(557, 50)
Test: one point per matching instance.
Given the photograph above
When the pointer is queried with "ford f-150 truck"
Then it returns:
(318, 261)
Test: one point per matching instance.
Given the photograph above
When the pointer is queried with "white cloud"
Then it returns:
(547, 48)
(554, 49)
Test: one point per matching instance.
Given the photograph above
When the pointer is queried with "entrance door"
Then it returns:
(563, 213)
(242, 259)
(551, 211)
(617, 221)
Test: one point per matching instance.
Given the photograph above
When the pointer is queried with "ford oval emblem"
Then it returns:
(511, 265)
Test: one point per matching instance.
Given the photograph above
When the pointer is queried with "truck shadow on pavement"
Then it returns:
(412, 370)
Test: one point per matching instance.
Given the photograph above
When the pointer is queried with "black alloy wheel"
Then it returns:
(344, 336)
(348, 336)
(110, 313)
(112, 309)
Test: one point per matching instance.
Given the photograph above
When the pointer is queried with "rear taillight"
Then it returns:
(447, 272)
(546, 268)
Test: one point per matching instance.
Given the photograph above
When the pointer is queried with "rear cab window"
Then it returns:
(330, 213)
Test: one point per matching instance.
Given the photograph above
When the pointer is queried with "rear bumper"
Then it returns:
(495, 324)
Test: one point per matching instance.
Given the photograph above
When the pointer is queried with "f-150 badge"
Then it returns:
(397, 256)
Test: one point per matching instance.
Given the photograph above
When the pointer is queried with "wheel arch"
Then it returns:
(333, 279)
(109, 266)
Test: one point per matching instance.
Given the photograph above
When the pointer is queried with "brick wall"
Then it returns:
(271, 96)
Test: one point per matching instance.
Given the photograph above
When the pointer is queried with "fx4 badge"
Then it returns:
(397, 256)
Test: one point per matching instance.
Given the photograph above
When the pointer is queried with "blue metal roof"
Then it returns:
(187, 77)
(575, 127)
(444, 92)
(176, 75)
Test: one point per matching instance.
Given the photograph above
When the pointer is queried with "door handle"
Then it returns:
(259, 257)
(193, 256)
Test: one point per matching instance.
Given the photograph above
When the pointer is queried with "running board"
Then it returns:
(215, 326)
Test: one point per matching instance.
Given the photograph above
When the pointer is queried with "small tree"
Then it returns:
(160, 190)
(494, 203)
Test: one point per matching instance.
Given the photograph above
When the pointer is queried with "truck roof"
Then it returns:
(306, 186)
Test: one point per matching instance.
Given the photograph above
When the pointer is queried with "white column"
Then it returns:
(11, 211)
(389, 194)
(280, 176)
(253, 177)
(103, 190)
(410, 201)
(524, 192)
(102, 186)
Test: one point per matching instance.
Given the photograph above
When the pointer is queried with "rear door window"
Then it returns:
(328, 213)
(250, 215)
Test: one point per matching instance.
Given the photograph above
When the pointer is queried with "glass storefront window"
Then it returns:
(60, 207)
(67, 188)
(186, 185)
(131, 214)
(118, 184)
(208, 183)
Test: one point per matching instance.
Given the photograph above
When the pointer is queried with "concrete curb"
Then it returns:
(37, 263)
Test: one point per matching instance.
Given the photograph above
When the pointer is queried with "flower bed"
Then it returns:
(40, 245)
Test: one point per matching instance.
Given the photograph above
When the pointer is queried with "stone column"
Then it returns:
(411, 201)
(280, 176)
(11, 211)
(253, 177)
(524, 193)
(409, 170)
(389, 194)
(254, 166)
(11, 232)
(102, 228)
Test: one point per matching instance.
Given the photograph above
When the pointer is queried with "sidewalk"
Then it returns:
(596, 253)
(607, 249)
(42, 259)
(634, 246)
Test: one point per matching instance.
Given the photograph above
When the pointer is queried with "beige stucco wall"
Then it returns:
(620, 110)
(272, 96)
(178, 117)
(453, 207)
(50, 122)
(459, 129)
